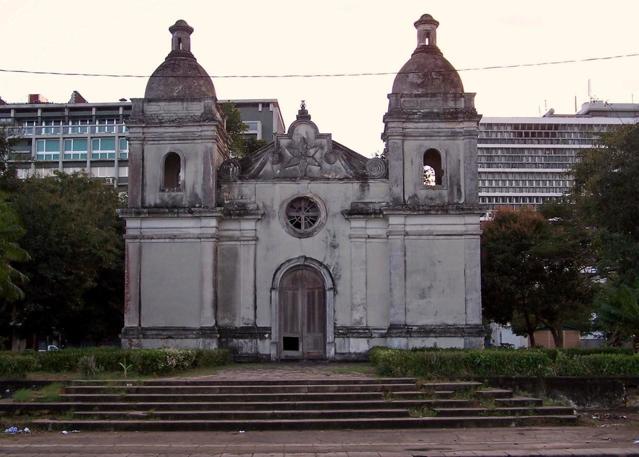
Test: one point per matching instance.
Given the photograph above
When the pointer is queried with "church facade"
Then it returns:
(305, 249)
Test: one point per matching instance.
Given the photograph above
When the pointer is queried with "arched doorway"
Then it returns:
(302, 314)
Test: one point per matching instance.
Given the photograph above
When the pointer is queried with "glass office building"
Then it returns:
(527, 160)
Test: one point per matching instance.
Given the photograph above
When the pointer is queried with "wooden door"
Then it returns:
(302, 314)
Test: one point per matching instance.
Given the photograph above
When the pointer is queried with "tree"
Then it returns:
(532, 273)
(8, 177)
(605, 194)
(10, 252)
(75, 241)
(241, 144)
(618, 312)
(235, 128)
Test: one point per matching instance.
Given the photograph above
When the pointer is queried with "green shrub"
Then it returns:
(88, 366)
(106, 359)
(446, 363)
(159, 361)
(599, 365)
(602, 350)
(14, 365)
(511, 363)
(90, 361)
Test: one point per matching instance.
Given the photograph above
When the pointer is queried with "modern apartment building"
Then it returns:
(69, 137)
(527, 160)
(92, 137)
(262, 117)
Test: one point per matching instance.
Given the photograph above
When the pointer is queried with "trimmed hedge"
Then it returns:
(458, 363)
(140, 361)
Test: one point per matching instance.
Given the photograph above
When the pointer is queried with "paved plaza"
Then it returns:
(609, 440)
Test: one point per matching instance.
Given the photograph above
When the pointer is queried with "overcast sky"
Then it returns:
(327, 36)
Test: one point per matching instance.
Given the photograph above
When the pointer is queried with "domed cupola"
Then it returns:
(180, 76)
(427, 71)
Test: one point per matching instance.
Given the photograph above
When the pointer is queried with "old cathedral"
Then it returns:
(305, 249)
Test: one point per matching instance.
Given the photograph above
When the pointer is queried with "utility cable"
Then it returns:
(323, 75)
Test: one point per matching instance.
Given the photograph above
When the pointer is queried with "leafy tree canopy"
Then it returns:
(605, 193)
(241, 144)
(532, 272)
(75, 241)
(605, 196)
(10, 253)
(618, 312)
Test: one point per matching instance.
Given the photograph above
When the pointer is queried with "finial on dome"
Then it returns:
(181, 36)
(426, 27)
(180, 77)
(302, 114)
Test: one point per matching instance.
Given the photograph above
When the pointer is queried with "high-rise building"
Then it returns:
(92, 137)
(69, 137)
(527, 160)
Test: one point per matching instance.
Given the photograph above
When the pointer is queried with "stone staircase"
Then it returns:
(284, 405)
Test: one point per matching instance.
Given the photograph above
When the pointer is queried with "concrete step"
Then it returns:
(254, 382)
(246, 415)
(304, 424)
(494, 393)
(422, 395)
(230, 389)
(517, 401)
(315, 396)
(13, 408)
(513, 411)
(447, 386)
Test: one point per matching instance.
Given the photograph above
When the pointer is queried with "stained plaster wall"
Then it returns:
(442, 270)
(437, 257)
(187, 128)
(174, 258)
(330, 245)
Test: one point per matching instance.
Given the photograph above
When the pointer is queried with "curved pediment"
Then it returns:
(304, 153)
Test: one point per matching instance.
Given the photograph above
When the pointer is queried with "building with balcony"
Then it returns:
(92, 137)
(263, 117)
(527, 160)
(69, 137)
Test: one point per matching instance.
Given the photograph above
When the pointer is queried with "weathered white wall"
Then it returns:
(331, 245)
(171, 296)
(432, 261)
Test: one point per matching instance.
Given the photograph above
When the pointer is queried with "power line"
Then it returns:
(324, 75)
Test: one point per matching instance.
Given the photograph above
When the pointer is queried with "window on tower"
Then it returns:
(172, 173)
(432, 168)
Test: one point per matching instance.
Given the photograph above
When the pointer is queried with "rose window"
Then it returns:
(303, 214)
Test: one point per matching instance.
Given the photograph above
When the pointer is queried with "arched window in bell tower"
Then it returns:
(432, 168)
(172, 173)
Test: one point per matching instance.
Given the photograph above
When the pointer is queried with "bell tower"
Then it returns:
(430, 131)
(176, 142)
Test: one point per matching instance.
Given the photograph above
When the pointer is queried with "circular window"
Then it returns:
(303, 216)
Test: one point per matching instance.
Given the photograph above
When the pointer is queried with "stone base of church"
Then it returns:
(169, 337)
(353, 343)
(253, 343)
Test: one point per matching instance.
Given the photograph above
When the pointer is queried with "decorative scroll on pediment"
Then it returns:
(304, 153)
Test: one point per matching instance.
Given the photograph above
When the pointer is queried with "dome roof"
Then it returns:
(427, 71)
(180, 76)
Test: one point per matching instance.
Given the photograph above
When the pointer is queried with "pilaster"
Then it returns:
(397, 265)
